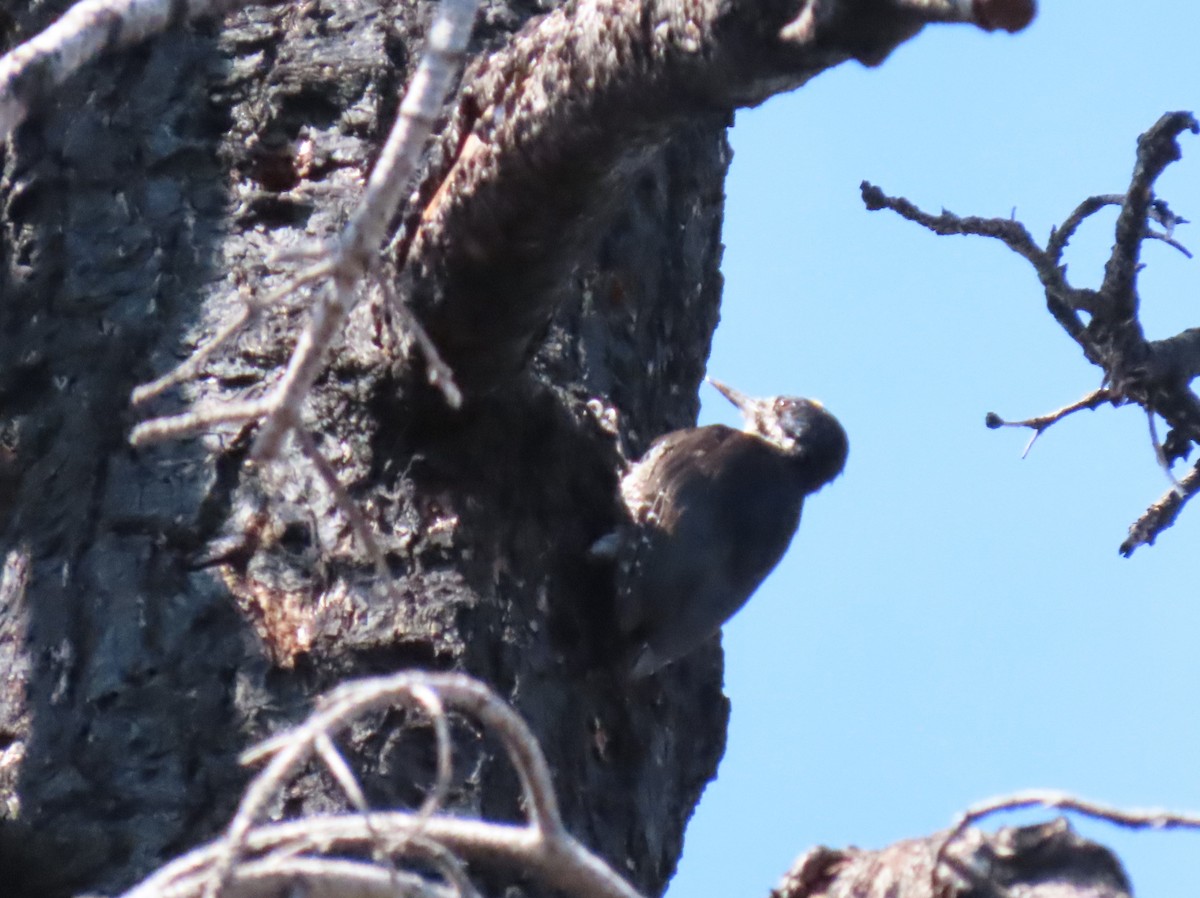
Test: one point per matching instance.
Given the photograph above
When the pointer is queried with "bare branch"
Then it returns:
(191, 366)
(1154, 374)
(1045, 860)
(249, 858)
(1061, 236)
(347, 263)
(322, 877)
(1011, 232)
(341, 498)
(1051, 799)
(1162, 514)
(438, 372)
(1063, 301)
(1169, 241)
(1064, 801)
(1089, 402)
(1157, 149)
(202, 417)
(1158, 211)
(30, 73)
(393, 173)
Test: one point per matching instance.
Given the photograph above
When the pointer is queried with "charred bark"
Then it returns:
(180, 605)
(176, 604)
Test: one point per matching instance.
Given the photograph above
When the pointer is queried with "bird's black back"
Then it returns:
(720, 508)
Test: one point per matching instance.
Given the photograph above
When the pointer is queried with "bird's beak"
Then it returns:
(741, 400)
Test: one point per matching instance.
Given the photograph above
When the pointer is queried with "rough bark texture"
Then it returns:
(1044, 861)
(180, 605)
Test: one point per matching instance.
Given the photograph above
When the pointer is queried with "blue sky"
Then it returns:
(953, 622)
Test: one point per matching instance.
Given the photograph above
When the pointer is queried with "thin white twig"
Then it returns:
(437, 371)
(353, 256)
(1160, 455)
(345, 504)
(249, 312)
(201, 418)
(193, 363)
(415, 847)
(330, 310)
(349, 260)
(432, 703)
(322, 877)
(341, 772)
(445, 47)
(30, 72)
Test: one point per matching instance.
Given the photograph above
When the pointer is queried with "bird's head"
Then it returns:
(801, 428)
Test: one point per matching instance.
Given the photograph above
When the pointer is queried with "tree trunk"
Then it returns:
(163, 609)
(182, 604)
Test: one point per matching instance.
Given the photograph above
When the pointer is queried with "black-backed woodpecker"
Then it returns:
(711, 511)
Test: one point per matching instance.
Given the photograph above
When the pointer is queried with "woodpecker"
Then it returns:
(711, 510)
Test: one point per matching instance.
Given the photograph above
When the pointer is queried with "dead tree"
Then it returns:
(165, 607)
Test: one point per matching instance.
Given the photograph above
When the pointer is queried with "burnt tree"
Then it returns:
(175, 604)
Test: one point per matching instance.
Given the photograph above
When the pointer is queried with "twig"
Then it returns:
(346, 262)
(437, 371)
(249, 856)
(1161, 456)
(290, 751)
(1162, 514)
(338, 767)
(202, 417)
(1063, 301)
(249, 312)
(1063, 801)
(1169, 241)
(1060, 236)
(345, 504)
(1154, 374)
(322, 877)
(1089, 402)
(1158, 212)
(30, 72)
